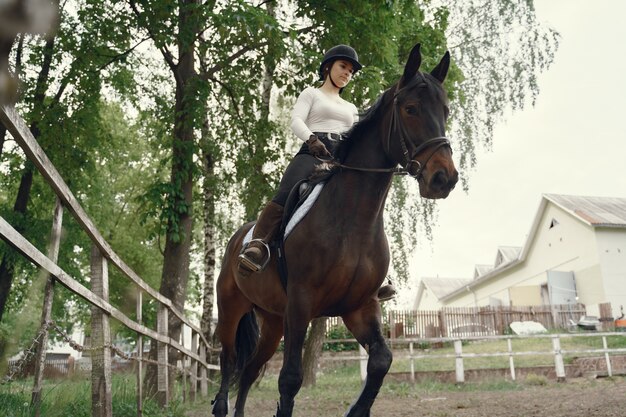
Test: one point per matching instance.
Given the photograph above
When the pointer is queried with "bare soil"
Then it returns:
(581, 397)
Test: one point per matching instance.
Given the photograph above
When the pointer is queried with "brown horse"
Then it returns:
(338, 255)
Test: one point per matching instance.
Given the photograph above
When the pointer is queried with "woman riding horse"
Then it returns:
(338, 255)
(319, 118)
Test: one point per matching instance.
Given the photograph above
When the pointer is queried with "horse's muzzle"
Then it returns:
(440, 184)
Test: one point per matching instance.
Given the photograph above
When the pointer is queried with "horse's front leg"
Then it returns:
(297, 319)
(365, 325)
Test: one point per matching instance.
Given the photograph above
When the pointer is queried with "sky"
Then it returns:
(573, 141)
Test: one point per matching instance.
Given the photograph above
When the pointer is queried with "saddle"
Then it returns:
(298, 195)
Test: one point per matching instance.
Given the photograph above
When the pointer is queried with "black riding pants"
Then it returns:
(301, 167)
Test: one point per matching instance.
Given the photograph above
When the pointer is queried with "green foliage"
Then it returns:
(339, 332)
(501, 48)
(95, 148)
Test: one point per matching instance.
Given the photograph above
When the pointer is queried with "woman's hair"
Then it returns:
(326, 70)
(326, 73)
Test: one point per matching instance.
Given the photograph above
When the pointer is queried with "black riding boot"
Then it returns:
(255, 255)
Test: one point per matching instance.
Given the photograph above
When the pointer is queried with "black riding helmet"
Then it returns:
(340, 52)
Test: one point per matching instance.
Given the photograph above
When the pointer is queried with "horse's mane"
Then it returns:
(365, 120)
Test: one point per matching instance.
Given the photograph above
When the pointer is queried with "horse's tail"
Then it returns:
(246, 342)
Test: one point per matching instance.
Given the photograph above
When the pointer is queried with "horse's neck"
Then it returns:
(362, 194)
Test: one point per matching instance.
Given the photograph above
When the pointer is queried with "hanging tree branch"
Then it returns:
(167, 55)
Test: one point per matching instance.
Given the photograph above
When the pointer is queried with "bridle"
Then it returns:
(412, 166)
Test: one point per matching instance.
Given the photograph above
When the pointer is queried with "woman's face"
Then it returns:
(341, 72)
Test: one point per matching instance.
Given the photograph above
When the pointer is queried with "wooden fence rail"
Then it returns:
(102, 256)
(557, 352)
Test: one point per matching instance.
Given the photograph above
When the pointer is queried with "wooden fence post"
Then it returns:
(139, 354)
(204, 389)
(558, 359)
(606, 357)
(460, 371)
(363, 362)
(194, 367)
(162, 354)
(442, 323)
(511, 361)
(182, 361)
(46, 313)
(412, 362)
(100, 339)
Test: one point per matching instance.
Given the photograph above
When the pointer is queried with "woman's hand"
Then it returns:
(316, 147)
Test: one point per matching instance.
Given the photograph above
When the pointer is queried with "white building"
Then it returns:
(575, 252)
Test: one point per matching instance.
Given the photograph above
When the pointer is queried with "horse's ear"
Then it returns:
(412, 65)
(441, 70)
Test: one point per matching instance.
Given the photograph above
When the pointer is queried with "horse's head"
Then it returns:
(417, 135)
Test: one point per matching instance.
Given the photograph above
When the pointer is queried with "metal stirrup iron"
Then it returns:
(249, 263)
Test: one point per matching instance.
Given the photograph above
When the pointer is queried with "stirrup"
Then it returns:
(249, 263)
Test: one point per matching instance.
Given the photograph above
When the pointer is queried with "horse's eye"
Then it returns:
(412, 110)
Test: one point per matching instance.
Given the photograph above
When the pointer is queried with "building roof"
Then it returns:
(507, 254)
(595, 211)
(442, 286)
(481, 269)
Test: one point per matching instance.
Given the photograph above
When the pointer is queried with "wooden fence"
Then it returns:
(193, 358)
(474, 321)
(557, 352)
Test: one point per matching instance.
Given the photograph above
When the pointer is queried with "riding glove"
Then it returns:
(316, 147)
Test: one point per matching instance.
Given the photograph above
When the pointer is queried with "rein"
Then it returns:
(412, 167)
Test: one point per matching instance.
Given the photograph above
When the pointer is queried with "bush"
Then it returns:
(534, 379)
(339, 332)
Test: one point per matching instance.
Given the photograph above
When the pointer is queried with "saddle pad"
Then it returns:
(297, 215)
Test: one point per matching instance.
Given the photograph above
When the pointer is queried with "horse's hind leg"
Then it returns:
(365, 326)
(271, 332)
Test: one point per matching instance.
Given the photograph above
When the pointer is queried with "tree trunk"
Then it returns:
(175, 274)
(312, 351)
(208, 206)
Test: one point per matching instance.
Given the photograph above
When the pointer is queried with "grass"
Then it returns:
(342, 384)
(72, 398)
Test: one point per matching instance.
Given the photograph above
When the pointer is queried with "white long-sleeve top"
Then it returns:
(316, 111)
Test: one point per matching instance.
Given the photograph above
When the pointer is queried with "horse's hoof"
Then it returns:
(220, 407)
(287, 412)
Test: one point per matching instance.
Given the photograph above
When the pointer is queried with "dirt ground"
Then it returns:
(574, 398)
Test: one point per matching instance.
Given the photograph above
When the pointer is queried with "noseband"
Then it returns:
(412, 166)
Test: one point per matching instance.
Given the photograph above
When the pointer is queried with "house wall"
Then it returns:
(612, 254)
(525, 295)
(569, 246)
(428, 301)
